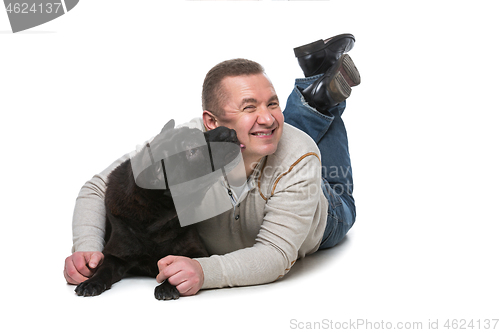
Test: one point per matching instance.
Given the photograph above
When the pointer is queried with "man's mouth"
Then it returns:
(264, 133)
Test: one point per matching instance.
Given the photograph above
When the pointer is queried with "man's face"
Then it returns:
(252, 109)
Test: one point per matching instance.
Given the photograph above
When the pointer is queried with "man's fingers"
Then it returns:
(164, 270)
(67, 277)
(184, 288)
(167, 273)
(70, 279)
(177, 278)
(164, 262)
(71, 274)
(80, 263)
(177, 274)
(95, 259)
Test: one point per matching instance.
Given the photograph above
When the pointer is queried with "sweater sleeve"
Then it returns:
(288, 219)
(89, 215)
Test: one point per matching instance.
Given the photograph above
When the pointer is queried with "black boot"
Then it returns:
(317, 57)
(334, 87)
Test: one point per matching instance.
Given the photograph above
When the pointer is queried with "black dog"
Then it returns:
(142, 225)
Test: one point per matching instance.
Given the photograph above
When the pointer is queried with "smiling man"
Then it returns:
(298, 195)
(251, 107)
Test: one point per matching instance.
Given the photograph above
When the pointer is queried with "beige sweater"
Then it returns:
(281, 219)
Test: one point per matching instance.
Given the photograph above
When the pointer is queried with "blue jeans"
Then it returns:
(328, 131)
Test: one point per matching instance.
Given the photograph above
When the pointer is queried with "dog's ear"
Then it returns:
(170, 125)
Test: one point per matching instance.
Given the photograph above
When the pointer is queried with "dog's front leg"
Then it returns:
(111, 270)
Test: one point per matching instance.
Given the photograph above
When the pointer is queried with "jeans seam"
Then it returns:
(332, 230)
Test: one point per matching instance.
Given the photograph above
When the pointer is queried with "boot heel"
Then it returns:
(307, 49)
(349, 71)
(339, 87)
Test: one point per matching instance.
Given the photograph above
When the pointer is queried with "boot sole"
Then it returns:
(318, 45)
(346, 76)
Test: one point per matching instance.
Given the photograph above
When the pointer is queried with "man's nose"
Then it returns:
(265, 117)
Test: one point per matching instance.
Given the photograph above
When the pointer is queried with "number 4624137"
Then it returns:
(25, 8)
(472, 324)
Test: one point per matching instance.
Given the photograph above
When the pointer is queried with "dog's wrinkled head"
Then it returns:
(184, 154)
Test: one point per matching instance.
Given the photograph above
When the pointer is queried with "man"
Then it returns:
(298, 196)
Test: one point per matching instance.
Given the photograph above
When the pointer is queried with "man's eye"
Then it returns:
(273, 104)
(249, 108)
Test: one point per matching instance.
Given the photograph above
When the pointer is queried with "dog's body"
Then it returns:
(142, 224)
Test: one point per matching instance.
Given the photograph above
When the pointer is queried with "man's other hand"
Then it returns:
(184, 273)
(80, 266)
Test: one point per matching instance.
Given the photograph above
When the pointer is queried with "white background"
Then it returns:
(80, 91)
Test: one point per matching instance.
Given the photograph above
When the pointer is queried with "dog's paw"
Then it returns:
(166, 291)
(90, 288)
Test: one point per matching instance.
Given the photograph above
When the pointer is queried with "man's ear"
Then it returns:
(209, 120)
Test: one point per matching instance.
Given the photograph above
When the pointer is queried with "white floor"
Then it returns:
(84, 89)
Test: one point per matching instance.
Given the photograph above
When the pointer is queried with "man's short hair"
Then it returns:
(213, 94)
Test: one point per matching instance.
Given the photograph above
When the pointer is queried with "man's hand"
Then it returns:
(184, 273)
(79, 266)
